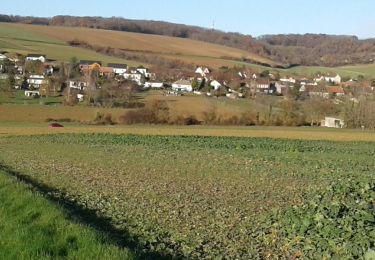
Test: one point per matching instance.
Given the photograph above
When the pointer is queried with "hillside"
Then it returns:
(15, 38)
(284, 50)
(52, 40)
(320, 49)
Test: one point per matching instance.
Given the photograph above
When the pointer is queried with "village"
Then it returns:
(38, 76)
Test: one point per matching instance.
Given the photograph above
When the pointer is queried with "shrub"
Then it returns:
(104, 119)
(154, 112)
(186, 120)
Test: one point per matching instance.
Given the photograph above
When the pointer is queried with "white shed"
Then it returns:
(333, 122)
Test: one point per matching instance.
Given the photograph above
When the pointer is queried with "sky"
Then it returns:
(343, 17)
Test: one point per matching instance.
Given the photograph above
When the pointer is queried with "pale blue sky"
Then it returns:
(354, 17)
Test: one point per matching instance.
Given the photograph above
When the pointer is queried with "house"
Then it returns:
(80, 85)
(36, 57)
(134, 76)
(282, 87)
(336, 91)
(118, 69)
(142, 70)
(32, 93)
(334, 78)
(352, 83)
(316, 91)
(255, 76)
(333, 122)
(3, 57)
(106, 72)
(263, 86)
(151, 84)
(87, 65)
(215, 84)
(306, 82)
(242, 75)
(182, 85)
(202, 71)
(80, 97)
(290, 80)
(36, 81)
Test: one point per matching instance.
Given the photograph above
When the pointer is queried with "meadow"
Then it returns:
(19, 108)
(213, 197)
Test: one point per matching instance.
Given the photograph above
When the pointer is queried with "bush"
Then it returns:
(155, 112)
(186, 120)
(103, 119)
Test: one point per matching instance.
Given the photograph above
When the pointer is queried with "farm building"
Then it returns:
(118, 69)
(134, 76)
(36, 57)
(36, 81)
(80, 85)
(151, 84)
(333, 122)
(336, 79)
(182, 85)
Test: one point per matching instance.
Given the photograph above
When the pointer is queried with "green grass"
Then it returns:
(19, 98)
(31, 227)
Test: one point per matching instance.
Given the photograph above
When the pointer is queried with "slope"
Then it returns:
(21, 40)
(169, 47)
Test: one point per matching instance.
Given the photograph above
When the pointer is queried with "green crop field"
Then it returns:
(213, 197)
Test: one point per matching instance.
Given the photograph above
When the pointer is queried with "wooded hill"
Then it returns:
(288, 50)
